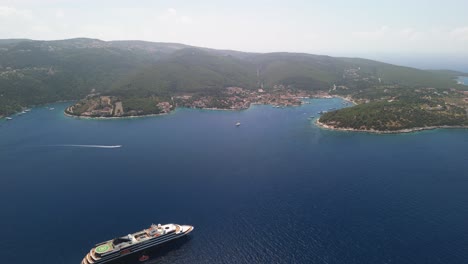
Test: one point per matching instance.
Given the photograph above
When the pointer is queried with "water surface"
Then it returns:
(463, 80)
(277, 189)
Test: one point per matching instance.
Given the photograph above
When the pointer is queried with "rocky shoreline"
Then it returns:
(317, 122)
(373, 131)
(233, 99)
(149, 115)
(313, 96)
(111, 117)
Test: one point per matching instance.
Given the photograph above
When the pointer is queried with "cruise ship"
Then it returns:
(136, 243)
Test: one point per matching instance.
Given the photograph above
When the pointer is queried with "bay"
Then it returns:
(276, 189)
(463, 80)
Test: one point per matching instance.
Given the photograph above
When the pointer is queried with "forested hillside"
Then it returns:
(37, 72)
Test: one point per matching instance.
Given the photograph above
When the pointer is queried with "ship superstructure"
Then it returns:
(155, 235)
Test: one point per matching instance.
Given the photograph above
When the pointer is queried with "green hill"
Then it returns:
(195, 70)
(37, 72)
(187, 70)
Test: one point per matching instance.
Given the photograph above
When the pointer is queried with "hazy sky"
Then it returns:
(325, 27)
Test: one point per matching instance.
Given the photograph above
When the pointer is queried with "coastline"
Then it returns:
(35, 106)
(347, 99)
(149, 115)
(112, 117)
(141, 116)
(317, 121)
(401, 131)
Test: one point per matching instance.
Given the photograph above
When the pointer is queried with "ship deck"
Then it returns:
(109, 247)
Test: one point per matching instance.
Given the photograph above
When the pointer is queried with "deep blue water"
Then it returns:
(277, 189)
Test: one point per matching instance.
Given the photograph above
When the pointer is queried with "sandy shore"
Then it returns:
(347, 99)
(408, 130)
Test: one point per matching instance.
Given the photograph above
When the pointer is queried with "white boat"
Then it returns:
(114, 250)
(9, 118)
(51, 108)
(238, 124)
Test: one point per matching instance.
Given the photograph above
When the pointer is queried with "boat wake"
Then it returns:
(89, 146)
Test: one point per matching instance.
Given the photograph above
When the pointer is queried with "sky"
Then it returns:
(390, 30)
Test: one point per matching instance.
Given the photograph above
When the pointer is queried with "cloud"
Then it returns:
(385, 39)
(41, 29)
(171, 16)
(185, 20)
(460, 33)
(59, 13)
(373, 34)
(11, 12)
(172, 12)
(385, 32)
(410, 34)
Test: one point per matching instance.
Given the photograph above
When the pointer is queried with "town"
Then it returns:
(230, 98)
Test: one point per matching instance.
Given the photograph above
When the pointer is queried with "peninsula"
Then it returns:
(230, 98)
(397, 108)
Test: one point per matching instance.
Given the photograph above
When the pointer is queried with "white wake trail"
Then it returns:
(89, 146)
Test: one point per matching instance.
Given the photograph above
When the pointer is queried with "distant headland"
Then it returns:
(374, 131)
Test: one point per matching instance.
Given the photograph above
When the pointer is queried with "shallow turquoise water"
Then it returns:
(463, 79)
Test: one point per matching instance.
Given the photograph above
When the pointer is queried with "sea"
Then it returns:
(276, 189)
(463, 80)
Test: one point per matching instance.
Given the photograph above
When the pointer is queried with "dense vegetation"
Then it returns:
(38, 72)
(391, 116)
(147, 105)
(392, 106)
(187, 70)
